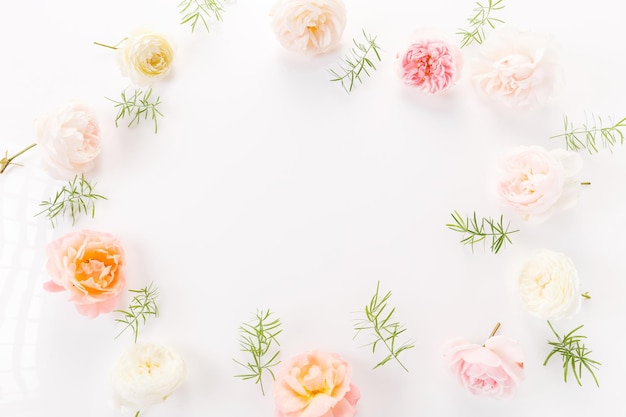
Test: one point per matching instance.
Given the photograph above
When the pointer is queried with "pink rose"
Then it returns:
(493, 369)
(315, 384)
(535, 181)
(88, 265)
(517, 68)
(309, 26)
(69, 137)
(430, 63)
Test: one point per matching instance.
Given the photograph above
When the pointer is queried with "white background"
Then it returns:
(267, 186)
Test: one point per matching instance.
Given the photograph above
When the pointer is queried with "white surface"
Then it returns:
(268, 186)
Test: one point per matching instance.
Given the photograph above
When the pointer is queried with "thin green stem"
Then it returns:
(6, 161)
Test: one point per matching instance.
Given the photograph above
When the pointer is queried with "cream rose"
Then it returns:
(145, 57)
(309, 26)
(88, 265)
(517, 68)
(146, 374)
(69, 139)
(549, 287)
(535, 181)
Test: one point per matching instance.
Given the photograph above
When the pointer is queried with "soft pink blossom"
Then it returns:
(517, 68)
(69, 139)
(89, 266)
(535, 181)
(315, 384)
(309, 26)
(430, 63)
(494, 369)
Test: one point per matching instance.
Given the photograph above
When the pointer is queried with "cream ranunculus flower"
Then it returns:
(517, 68)
(549, 286)
(145, 57)
(146, 374)
(309, 26)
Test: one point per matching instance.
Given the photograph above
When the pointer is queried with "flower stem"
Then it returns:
(137, 413)
(6, 161)
(585, 183)
(110, 46)
(495, 330)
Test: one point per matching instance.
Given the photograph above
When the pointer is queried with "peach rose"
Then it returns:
(535, 181)
(315, 384)
(69, 138)
(309, 26)
(145, 57)
(430, 63)
(88, 265)
(517, 68)
(493, 369)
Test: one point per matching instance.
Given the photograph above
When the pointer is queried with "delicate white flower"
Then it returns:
(69, 138)
(535, 181)
(309, 26)
(146, 374)
(549, 286)
(517, 68)
(145, 57)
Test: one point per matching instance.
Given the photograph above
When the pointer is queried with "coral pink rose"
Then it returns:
(494, 369)
(517, 68)
(69, 137)
(430, 63)
(309, 26)
(88, 265)
(315, 384)
(535, 181)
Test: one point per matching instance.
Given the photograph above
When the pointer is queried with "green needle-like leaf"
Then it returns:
(194, 11)
(355, 64)
(480, 18)
(136, 106)
(478, 229)
(142, 306)
(592, 134)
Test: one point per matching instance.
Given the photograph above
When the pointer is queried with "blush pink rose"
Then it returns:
(88, 265)
(430, 63)
(69, 138)
(535, 181)
(494, 369)
(309, 26)
(315, 384)
(517, 68)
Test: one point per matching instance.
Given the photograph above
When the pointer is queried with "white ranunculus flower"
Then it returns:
(146, 374)
(549, 286)
(69, 139)
(309, 26)
(145, 57)
(517, 68)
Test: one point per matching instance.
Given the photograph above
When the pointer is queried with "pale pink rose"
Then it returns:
(69, 139)
(535, 181)
(309, 26)
(88, 265)
(430, 63)
(517, 68)
(315, 384)
(494, 369)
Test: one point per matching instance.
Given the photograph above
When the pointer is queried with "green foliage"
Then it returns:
(354, 65)
(137, 106)
(193, 11)
(75, 198)
(480, 18)
(258, 338)
(380, 323)
(574, 353)
(142, 306)
(477, 230)
(592, 135)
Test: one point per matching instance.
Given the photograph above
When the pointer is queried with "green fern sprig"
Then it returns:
(76, 198)
(591, 136)
(574, 353)
(137, 106)
(258, 338)
(354, 65)
(142, 306)
(380, 323)
(482, 16)
(194, 11)
(477, 230)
